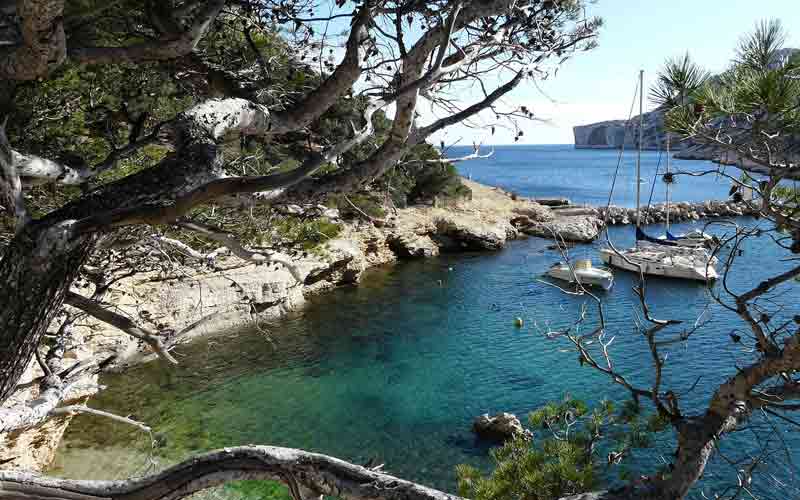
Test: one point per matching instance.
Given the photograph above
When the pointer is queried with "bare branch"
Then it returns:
(96, 310)
(321, 474)
(230, 241)
(75, 409)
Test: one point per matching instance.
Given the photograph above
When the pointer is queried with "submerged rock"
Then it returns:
(500, 427)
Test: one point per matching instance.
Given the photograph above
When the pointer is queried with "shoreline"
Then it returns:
(195, 301)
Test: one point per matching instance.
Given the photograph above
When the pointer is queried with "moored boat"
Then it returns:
(655, 262)
(670, 256)
(584, 273)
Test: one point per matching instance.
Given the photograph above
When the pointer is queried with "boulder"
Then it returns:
(331, 213)
(410, 245)
(535, 212)
(577, 229)
(500, 427)
(459, 234)
(291, 209)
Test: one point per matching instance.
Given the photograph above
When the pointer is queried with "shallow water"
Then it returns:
(397, 368)
(394, 370)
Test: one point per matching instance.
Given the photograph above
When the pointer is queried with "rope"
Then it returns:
(619, 157)
(655, 178)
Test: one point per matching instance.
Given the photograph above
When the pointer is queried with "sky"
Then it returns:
(637, 34)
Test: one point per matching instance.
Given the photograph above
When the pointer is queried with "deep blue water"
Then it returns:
(585, 175)
(396, 368)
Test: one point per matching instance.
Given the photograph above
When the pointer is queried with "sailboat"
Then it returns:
(653, 256)
(694, 239)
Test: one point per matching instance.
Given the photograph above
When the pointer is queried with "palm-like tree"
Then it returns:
(678, 80)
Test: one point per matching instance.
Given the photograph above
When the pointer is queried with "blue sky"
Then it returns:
(599, 85)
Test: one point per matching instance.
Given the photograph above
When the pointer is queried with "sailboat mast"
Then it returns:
(639, 155)
(668, 183)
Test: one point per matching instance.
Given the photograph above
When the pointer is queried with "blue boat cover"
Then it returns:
(641, 235)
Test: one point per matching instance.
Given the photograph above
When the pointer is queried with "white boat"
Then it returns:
(693, 239)
(661, 257)
(584, 273)
(656, 262)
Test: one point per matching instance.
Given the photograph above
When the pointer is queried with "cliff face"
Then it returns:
(613, 134)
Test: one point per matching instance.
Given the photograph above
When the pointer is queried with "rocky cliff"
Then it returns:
(195, 299)
(614, 133)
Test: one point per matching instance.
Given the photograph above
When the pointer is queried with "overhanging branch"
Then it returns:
(95, 309)
(321, 474)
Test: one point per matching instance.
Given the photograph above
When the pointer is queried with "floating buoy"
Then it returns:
(518, 322)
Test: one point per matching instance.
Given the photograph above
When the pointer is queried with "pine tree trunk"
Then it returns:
(35, 272)
(697, 440)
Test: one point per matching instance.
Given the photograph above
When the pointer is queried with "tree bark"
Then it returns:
(35, 273)
(321, 474)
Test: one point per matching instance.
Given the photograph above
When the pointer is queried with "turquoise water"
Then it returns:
(394, 370)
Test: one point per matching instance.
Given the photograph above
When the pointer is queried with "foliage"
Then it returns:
(307, 234)
(677, 81)
(562, 459)
(82, 114)
(762, 89)
(351, 206)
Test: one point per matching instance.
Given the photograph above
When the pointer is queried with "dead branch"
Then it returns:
(321, 474)
(96, 310)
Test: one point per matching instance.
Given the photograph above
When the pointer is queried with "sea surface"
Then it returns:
(586, 175)
(393, 371)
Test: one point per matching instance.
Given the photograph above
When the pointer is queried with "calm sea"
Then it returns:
(585, 175)
(393, 371)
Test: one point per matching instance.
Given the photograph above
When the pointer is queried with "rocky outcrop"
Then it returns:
(456, 234)
(613, 134)
(573, 228)
(500, 427)
(411, 246)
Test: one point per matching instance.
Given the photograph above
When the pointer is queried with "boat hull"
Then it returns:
(667, 266)
(591, 277)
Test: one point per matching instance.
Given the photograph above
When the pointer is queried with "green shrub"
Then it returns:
(367, 203)
(307, 234)
(562, 459)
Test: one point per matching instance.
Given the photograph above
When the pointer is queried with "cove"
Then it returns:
(394, 370)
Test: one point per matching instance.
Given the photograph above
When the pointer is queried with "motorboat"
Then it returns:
(583, 272)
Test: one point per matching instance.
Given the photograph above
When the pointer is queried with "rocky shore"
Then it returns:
(656, 214)
(195, 300)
